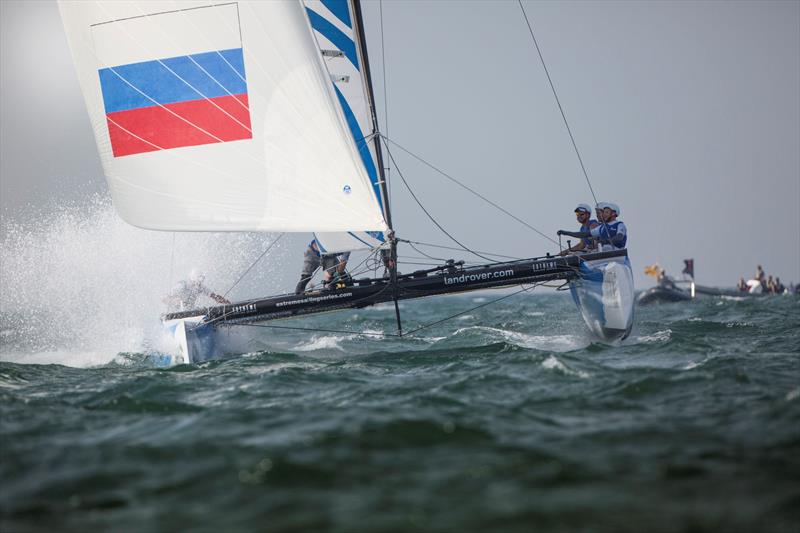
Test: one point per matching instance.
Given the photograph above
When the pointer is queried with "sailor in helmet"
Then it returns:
(583, 214)
(598, 210)
(611, 232)
(184, 295)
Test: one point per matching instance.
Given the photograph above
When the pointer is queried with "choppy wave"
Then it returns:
(510, 418)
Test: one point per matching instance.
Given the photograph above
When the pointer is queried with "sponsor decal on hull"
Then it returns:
(478, 276)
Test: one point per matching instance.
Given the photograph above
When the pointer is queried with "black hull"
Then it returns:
(366, 292)
(663, 295)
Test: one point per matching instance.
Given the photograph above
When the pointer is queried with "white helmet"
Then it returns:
(615, 208)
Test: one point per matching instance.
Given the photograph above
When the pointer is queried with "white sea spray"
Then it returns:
(79, 285)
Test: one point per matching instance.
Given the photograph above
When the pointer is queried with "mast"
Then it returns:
(358, 32)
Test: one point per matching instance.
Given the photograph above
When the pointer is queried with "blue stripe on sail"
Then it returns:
(322, 249)
(334, 35)
(377, 234)
(361, 144)
(340, 9)
(223, 76)
(356, 237)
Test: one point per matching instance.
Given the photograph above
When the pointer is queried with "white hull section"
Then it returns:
(604, 295)
(193, 342)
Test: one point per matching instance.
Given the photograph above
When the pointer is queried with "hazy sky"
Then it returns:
(687, 114)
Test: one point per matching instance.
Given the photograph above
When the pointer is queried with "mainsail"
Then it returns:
(220, 117)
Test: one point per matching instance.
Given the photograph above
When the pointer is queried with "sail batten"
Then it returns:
(218, 117)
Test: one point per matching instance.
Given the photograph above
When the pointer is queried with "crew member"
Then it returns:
(598, 211)
(333, 265)
(184, 294)
(611, 232)
(760, 273)
(583, 214)
(761, 278)
(779, 287)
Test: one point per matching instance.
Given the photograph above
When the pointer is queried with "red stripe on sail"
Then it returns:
(148, 129)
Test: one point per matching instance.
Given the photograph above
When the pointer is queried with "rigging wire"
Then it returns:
(523, 289)
(558, 101)
(399, 173)
(253, 264)
(423, 253)
(410, 243)
(385, 98)
(457, 182)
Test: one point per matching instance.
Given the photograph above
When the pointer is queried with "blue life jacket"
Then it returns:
(609, 230)
(586, 228)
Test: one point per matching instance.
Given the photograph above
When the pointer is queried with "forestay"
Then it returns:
(219, 117)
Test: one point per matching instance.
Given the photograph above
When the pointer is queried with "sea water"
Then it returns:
(506, 418)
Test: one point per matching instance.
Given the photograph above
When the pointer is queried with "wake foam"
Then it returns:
(553, 363)
(552, 343)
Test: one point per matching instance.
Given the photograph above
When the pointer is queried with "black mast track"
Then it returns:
(447, 279)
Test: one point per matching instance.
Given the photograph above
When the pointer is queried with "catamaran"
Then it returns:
(260, 116)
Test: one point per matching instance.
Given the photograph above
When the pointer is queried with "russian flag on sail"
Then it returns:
(172, 100)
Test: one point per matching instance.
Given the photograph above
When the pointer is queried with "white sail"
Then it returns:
(337, 36)
(334, 242)
(218, 117)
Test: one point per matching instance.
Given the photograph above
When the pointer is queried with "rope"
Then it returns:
(560, 108)
(524, 289)
(253, 264)
(399, 173)
(479, 195)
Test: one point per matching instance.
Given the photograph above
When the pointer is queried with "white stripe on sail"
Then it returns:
(178, 39)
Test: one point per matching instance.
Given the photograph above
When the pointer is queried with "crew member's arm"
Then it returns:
(619, 238)
(576, 234)
(602, 236)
